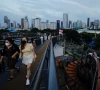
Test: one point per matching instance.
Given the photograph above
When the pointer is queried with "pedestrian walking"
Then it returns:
(28, 56)
(10, 51)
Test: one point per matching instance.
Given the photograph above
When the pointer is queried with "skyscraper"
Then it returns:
(65, 20)
(6, 20)
(26, 19)
(14, 24)
(61, 25)
(22, 23)
(8, 23)
(58, 24)
(88, 22)
(36, 23)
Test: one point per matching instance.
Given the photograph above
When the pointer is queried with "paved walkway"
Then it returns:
(18, 83)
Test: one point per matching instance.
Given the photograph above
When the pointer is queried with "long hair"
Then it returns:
(23, 45)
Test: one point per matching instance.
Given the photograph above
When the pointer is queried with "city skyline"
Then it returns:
(49, 10)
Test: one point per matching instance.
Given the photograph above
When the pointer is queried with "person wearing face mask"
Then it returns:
(28, 54)
(10, 50)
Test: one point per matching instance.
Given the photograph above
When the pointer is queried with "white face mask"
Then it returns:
(7, 44)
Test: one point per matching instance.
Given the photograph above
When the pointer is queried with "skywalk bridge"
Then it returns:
(71, 74)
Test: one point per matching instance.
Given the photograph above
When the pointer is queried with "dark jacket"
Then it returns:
(14, 48)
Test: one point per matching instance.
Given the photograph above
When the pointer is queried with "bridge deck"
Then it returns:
(18, 83)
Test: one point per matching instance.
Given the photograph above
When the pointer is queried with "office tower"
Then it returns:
(18, 25)
(14, 24)
(53, 25)
(47, 23)
(26, 19)
(61, 25)
(91, 25)
(70, 24)
(11, 24)
(8, 23)
(83, 25)
(6, 20)
(65, 20)
(88, 22)
(79, 24)
(43, 25)
(37, 23)
(74, 25)
(25, 24)
(22, 23)
(33, 23)
(96, 24)
(58, 24)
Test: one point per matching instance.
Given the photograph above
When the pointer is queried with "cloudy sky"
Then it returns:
(49, 9)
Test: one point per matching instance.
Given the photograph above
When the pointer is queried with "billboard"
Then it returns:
(60, 31)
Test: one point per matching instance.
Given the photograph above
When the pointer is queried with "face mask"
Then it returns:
(23, 42)
(7, 44)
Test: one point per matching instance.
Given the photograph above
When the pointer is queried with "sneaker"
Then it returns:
(27, 82)
(26, 75)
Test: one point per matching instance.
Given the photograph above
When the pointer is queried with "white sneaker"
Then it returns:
(27, 82)
(26, 75)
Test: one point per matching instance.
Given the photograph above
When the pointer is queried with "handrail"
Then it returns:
(52, 80)
(38, 78)
(93, 86)
(95, 77)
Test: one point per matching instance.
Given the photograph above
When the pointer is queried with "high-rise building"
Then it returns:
(47, 23)
(37, 23)
(6, 20)
(22, 23)
(61, 25)
(75, 25)
(58, 24)
(70, 24)
(43, 25)
(91, 25)
(11, 24)
(88, 22)
(26, 18)
(8, 23)
(65, 20)
(79, 24)
(96, 24)
(83, 25)
(18, 25)
(53, 25)
(25, 24)
(33, 23)
(14, 24)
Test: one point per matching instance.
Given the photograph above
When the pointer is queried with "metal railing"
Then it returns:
(46, 70)
(52, 81)
(89, 65)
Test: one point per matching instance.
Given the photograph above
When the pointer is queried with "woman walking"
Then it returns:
(10, 51)
(28, 54)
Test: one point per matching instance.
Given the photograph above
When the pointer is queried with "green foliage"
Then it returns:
(97, 41)
(72, 35)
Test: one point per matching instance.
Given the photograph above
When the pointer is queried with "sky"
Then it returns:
(51, 10)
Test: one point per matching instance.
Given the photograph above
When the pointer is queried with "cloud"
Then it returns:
(49, 9)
